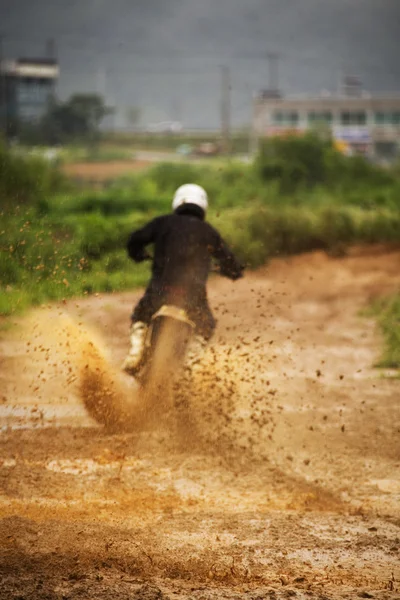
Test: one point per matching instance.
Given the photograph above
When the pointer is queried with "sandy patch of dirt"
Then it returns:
(103, 171)
(284, 482)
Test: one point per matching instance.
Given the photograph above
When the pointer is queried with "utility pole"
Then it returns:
(253, 137)
(51, 55)
(273, 71)
(176, 109)
(226, 109)
(51, 52)
(101, 82)
(3, 100)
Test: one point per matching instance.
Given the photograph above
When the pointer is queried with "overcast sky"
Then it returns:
(164, 55)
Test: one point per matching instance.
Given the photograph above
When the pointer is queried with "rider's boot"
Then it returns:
(132, 362)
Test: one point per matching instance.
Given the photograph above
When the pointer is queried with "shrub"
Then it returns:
(26, 180)
(168, 177)
(293, 161)
(308, 161)
(388, 313)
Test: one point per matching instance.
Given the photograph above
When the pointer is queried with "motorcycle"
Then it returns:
(166, 343)
(123, 403)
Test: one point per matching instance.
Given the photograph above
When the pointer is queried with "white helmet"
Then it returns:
(190, 193)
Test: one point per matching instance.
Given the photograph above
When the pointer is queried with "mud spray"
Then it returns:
(200, 409)
(69, 361)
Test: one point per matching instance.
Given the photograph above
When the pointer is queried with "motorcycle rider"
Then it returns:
(184, 247)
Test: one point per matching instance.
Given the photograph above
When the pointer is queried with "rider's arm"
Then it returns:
(228, 263)
(139, 239)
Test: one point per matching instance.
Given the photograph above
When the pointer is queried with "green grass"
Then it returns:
(121, 146)
(61, 256)
(101, 153)
(162, 141)
(101, 277)
(387, 312)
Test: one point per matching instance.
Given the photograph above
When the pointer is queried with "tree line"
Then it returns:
(77, 119)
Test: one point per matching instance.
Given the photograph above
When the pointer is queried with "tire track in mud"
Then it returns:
(284, 481)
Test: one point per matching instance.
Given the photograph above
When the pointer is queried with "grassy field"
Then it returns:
(123, 146)
(57, 241)
(239, 140)
(387, 312)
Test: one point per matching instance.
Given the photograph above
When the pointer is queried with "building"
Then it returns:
(26, 87)
(359, 122)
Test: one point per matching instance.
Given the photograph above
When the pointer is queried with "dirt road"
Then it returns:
(286, 484)
(104, 171)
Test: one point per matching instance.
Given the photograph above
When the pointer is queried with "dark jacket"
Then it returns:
(184, 248)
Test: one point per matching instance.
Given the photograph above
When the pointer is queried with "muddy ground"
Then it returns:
(282, 480)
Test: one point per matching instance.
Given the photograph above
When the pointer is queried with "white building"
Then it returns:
(361, 122)
(26, 87)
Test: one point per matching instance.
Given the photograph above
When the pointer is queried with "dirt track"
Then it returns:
(288, 486)
(103, 171)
